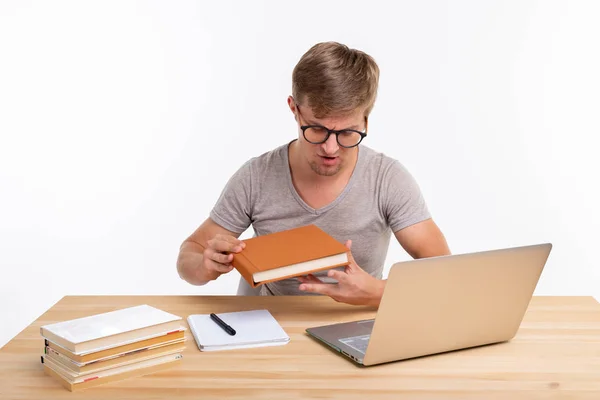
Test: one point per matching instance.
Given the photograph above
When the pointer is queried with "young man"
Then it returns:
(325, 177)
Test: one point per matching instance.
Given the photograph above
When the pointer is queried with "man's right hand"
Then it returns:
(207, 253)
(217, 257)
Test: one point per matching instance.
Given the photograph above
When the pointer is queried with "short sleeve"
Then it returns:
(233, 209)
(401, 200)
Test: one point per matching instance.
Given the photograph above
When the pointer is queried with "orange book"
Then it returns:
(287, 254)
(123, 359)
(169, 338)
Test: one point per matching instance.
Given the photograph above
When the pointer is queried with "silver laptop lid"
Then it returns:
(446, 303)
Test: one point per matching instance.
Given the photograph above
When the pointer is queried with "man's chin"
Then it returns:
(325, 170)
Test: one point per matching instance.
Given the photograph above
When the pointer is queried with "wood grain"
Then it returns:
(555, 355)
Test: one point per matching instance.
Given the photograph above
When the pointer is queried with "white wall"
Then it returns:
(121, 121)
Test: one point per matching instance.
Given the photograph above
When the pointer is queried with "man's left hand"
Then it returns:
(354, 286)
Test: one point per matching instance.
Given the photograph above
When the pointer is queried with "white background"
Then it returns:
(121, 121)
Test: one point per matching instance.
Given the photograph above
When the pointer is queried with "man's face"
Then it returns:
(328, 158)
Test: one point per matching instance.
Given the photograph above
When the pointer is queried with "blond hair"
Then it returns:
(335, 79)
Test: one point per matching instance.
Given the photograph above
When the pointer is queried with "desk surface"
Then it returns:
(555, 355)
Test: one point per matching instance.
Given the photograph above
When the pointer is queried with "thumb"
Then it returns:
(350, 256)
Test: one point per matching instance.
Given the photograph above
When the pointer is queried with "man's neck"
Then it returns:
(303, 174)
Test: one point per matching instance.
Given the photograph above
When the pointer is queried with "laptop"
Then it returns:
(440, 304)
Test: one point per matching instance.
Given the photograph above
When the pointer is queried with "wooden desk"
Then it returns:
(555, 355)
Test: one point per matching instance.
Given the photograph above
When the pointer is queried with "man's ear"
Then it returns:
(292, 105)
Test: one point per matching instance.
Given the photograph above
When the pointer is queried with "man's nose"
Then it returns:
(331, 145)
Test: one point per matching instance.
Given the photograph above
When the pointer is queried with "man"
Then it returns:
(325, 177)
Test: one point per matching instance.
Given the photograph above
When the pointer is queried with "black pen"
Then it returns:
(222, 324)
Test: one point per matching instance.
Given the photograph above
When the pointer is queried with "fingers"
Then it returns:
(220, 258)
(339, 276)
(351, 259)
(226, 244)
(321, 288)
(310, 278)
(220, 268)
(217, 261)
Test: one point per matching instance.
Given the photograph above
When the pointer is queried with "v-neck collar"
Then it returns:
(338, 199)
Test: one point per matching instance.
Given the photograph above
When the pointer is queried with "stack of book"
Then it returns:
(97, 349)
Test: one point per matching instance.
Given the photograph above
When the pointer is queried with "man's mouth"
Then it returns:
(328, 160)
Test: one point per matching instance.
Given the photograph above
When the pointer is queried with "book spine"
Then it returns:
(244, 267)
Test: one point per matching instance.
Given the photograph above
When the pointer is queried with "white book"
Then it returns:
(255, 328)
(115, 328)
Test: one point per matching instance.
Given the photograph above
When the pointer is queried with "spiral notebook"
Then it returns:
(255, 328)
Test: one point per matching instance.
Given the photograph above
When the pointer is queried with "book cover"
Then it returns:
(287, 254)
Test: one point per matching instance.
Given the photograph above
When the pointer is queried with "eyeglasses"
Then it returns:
(317, 134)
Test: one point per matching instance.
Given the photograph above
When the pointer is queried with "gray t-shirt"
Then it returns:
(381, 197)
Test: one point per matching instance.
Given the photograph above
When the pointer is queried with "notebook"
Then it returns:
(255, 328)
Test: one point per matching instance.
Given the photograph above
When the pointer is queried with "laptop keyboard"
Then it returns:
(358, 343)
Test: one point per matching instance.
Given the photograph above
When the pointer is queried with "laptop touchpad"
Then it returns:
(358, 336)
(358, 343)
(368, 324)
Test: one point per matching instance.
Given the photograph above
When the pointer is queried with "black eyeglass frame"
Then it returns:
(362, 134)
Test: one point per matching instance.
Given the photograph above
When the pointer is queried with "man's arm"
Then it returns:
(355, 286)
(423, 239)
(213, 240)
